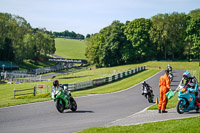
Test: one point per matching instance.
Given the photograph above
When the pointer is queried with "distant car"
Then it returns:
(9, 83)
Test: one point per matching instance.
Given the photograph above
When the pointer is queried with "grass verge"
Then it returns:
(188, 125)
(171, 103)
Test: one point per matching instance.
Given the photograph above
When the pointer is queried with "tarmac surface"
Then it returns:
(147, 116)
(118, 108)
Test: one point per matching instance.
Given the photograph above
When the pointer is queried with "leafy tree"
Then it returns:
(106, 48)
(4, 31)
(161, 37)
(195, 13)
(159, 34)
(92, 48)
(88, 36)
(19, 41)
(113, 39)
(176, 27)
(29, 43)
(137, 32)
(193, 38)
(68, 34)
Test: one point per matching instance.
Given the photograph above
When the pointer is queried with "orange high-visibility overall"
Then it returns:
(164, 86)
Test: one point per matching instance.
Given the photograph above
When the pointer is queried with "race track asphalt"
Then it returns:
(93, 111)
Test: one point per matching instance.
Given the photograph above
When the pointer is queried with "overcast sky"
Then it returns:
(90, 16)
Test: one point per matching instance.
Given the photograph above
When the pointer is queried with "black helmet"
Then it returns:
(55, 83)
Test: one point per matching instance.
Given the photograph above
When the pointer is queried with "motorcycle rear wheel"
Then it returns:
(73, 105)
(149, 97)
(171, 77)
(180, 107)
(60, 106)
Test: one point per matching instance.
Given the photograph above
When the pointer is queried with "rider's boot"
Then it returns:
(159, 110)
(164, 111)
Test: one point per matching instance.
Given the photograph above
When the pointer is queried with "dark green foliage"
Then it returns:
(137, 32)
(88, 36)
(174, 36)
(193, 38)
(195, 13)
(69, 35)
(19, 41)
(168, 34)
(107, 47)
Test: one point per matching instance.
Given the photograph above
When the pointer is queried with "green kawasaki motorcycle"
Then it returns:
(63, 99)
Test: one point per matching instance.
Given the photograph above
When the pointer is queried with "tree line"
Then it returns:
(68, 34)
(170, 36)
(19, 41)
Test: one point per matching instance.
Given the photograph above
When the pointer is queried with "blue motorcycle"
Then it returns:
(187, 99)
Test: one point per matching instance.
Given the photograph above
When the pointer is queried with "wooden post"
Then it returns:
(34, 90)
(14, 93)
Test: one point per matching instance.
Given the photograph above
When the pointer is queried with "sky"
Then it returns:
(90, 16)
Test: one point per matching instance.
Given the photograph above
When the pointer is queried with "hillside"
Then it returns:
(70, 48)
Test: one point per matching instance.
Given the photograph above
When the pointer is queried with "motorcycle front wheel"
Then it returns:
(60, 105)
(149, 97)
(180, 107)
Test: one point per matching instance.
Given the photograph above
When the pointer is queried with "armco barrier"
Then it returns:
(116, 77)
(97, 82)
(82, 85)
(121, 75)
(110, 79)
(71, 86)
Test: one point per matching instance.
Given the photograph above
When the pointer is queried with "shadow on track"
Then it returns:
(80, 111)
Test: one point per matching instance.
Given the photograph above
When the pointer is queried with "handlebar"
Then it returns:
(192, 91)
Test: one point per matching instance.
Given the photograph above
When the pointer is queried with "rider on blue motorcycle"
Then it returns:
(189, 79)
(191, 82)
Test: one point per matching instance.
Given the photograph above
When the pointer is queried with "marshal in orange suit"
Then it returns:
(164, 86)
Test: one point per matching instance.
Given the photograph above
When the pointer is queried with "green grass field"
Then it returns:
(27, 65)
(70, 48)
